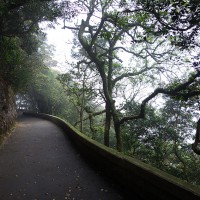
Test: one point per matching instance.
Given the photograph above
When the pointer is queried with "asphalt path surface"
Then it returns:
(38, 162)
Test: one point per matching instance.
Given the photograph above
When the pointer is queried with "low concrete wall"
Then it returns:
(131, 174)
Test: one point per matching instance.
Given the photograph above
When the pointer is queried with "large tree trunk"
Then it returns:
(119, 144)
(7, 108)
(195, 145)
(107, 126)
(93, 130)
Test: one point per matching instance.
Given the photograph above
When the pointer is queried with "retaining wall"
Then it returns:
(132, 175)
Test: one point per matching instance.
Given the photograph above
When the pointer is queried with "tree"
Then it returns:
(102, 40)
(19, 27)
(45, 94)
(19, 18)
(80, 84)
(179, 22)
(163, 138)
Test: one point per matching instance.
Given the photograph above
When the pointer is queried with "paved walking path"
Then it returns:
(38, 162)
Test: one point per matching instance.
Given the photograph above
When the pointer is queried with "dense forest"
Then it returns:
(132, 83)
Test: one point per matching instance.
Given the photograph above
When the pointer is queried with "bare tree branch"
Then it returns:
(90, 113)
(131, 74)
(172, 92)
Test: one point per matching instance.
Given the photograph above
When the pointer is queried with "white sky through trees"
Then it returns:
(61, 39)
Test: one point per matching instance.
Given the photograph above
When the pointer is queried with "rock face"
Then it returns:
(7, 107)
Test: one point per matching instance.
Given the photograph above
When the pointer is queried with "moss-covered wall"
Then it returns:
(7, 108)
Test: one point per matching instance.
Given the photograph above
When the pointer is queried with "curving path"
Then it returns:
(39, 163)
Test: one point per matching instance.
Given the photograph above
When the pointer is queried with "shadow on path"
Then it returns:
(38, 162)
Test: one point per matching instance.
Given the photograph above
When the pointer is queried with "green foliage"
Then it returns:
(11, 52)
(45, 94)
(19, 39)
(21, 18)
(191, 91)
(177, 20)
(162, 139)
(17, 66)
(12, 58)
(81, 93)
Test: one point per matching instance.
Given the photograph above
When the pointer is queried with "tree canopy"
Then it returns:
(176, 20)
(105, 33)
